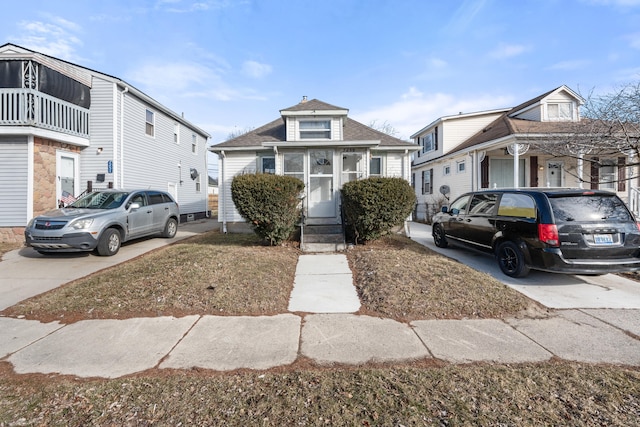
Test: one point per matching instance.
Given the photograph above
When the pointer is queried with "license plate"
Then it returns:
(603, 239)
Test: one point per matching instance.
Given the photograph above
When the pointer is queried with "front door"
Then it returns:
(321, 200)
(67, 185)
(554, 174)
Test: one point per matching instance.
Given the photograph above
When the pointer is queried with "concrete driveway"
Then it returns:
(559, 291)
(25, 273)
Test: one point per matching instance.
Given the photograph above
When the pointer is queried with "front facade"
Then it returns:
(317, 143)
(66, 129)
(505, 148)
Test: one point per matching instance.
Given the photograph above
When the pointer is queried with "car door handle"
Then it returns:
(149, 211)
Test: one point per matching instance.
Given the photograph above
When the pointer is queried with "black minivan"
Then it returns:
(566, 230)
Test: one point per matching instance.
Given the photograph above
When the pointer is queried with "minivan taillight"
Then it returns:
(548, 233)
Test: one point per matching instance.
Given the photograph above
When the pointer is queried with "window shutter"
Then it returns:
(423, 182)
(622, 174)
(533, 166)
(430, 181)
(595, 173)
(435, 138)
(484, 173)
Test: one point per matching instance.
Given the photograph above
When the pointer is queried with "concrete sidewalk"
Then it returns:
(320, 327)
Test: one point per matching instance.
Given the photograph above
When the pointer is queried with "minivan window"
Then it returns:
(460, 205)
(589, 208)
(517, 205)
(483, 204)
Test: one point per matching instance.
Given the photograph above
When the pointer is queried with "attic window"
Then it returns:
(561, 112)
(315, 129)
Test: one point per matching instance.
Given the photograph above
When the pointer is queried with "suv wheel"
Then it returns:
(170, 228)
(438, 236)
(511, 260)
(109, 243)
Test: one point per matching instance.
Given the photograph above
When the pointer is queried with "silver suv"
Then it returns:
(103, 220)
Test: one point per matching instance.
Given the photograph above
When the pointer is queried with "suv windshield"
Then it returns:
(100, 200)
(589, 208)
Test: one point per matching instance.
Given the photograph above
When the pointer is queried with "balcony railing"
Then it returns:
(28, 107)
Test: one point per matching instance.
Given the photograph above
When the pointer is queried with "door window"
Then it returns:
(460, 205)
(483, 204)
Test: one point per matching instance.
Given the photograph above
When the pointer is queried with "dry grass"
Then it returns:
(401, 279)
(8, 246)
(555, 393)
(234, 274)
(209, 274)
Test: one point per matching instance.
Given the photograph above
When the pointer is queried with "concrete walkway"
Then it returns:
(320, 327)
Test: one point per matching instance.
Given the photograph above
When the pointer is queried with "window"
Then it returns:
(267, 164)
(483, 204)
(429, 142)
(150, 123)
(607, 174)
(351, 166)
(517, 205)
(427, 181)
(460, 166)
(315, 129)
(559, 111)
(293, 165)
(446, 170)
(198, 185)
(460, 205)
(375, 166)
(176, 133)
(194, 143)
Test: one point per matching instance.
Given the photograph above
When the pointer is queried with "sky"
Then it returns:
(232, 65)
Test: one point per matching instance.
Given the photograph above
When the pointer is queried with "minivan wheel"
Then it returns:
(170, 228)
(511, 260)
(109, 243)
(438, 236)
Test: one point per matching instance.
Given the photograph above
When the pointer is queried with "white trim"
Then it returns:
(45, 134)
(30, 175)
(76, 172)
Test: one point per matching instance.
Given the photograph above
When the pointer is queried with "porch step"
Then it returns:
(323, 238)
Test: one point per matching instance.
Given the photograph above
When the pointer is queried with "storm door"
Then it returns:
(67, 185)
(321, 201)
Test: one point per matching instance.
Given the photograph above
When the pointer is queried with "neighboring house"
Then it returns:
(317, 143)
(65, 129)
(489, 149)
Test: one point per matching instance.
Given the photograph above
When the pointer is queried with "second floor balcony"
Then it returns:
(29, 107)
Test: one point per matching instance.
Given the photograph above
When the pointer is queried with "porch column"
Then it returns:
(580, 168)
(516, 165)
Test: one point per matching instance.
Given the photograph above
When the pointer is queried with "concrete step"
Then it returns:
(323, 238)
(323, 247)
(323, 229)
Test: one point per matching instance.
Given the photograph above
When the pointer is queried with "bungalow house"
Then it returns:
(66, 129)
(506, 148)
(317, 143)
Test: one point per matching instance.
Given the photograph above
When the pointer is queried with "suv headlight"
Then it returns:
(81, 224)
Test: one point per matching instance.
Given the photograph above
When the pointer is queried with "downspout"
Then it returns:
(206, 164)
(121, 167)
(221, 190)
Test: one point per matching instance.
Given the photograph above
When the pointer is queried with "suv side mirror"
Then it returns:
(134, 206)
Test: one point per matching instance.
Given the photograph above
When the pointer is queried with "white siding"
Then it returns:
(14, 182)
(534, 114)
(101, 130)
(234, 164)
(157, 161)
(394, 165)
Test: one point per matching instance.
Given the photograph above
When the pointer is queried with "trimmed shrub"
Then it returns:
(373, 206)
(269, 203)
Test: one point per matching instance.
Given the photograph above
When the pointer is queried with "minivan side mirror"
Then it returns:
(444, 209)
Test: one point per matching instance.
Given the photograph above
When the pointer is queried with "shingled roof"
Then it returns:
(275, 131)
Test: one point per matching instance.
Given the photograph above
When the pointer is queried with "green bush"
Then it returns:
(373, 206)
(269, 203)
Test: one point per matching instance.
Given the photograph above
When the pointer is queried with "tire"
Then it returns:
(511, 260)
(439, 238)
(109, 243)
(170, 228)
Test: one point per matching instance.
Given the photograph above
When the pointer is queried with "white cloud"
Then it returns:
(255, 69)
(162, 77)
(508, 51)
(55, 38)
(569, 65)
(415, 109)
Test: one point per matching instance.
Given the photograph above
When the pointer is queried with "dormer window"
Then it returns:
(315, 129)
(560, 112)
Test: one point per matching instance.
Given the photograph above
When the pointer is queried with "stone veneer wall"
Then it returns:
(44, 185)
